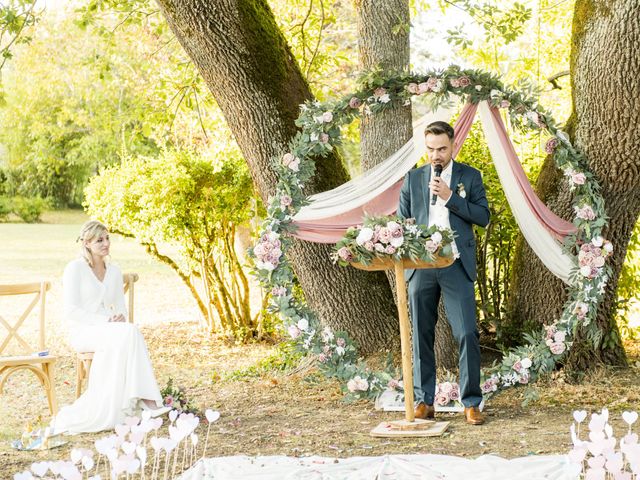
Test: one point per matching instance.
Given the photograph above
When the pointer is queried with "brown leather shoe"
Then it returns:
(424, 411)
(473, 415)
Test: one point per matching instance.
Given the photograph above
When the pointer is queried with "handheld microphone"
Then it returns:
(437, 170)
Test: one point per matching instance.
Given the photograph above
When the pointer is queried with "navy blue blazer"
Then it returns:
(463, 212)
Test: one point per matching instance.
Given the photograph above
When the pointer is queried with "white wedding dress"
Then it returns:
(121, 373)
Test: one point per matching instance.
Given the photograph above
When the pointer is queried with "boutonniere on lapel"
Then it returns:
(461, 191)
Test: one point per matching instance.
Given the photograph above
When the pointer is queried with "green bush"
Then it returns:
(5, 208)
(29, 209)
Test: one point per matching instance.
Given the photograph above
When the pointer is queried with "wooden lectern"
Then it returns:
(410, 426)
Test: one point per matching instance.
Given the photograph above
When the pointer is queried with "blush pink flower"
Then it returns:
(551, 145)
(557, 348)
(430, 246)
(341, 342)
(294, 331)
(287, 158)
(578, 178)
(369, 246)
(345, 254)
(379, 92)
(585, 212)
(355, 102)
(517, 366)
(423, 88)
(324, 137)
(524, 378)
(278, 291)
(390, 249)
(454, 82)
(464, 81)
(285, 201)
(412, 88)
(327, 117)
(442, 399)
(505, 103)
(385, 235)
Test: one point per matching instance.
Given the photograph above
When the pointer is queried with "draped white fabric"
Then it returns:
(371, 183)
(545, 246)
(424, 467)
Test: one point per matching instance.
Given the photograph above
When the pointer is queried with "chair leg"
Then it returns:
(51, 391)
(79, 376)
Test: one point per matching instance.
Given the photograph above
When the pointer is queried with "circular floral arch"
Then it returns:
(320, 133)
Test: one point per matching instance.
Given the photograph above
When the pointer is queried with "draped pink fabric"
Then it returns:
(332, 229)
(557, 226)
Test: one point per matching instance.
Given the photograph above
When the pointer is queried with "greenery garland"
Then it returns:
(320, 133)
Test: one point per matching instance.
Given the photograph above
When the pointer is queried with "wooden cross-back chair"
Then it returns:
(84, 359)
(41, 365)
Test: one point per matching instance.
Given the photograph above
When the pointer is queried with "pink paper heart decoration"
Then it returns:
(169, 445)
(76, 455)
(87, 463)
(136, 437)
(597, 423)
(157, 423)
(596, 462)
(122, 430)
(128, 447)
(630, 439)
(597, 436)
(608, 430)
(142, 454)
(132, 466)
(138, 428)
(26, 475)
(112, 454)
(614, 462)
(156, 443)
(40, 468)
(579, 415)
(577, 455)
(131, 421)
(212, 415)
(630, 417)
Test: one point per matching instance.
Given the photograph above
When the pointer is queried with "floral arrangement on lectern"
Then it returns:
(392, 238)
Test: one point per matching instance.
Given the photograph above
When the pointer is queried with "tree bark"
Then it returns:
(606, 111)
(248, 66)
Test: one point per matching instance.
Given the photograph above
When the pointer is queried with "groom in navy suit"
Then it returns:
(460, 203)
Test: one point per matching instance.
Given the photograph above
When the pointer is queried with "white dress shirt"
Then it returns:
(438, 213)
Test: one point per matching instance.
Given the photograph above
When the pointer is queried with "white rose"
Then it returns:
(585, 271)
(384, 99)
(436, 237)
(319, 119)
(397, 242)
(526, 362)
(303, 324)
(327, 117)
(495, 93)
(597, 241)
(365, 235)
(608, 247)
(478, 87)
(266, 266)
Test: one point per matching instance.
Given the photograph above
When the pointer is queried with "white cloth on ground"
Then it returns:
(387, 467)
(121, 373)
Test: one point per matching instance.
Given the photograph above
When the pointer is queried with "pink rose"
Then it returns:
(442, 399)
(278, 291)
(430, 246)
(294, 331)
(327, 117)
(454, 82)
(455, 392)
(551, 145)
(322, 358)
(393, 384)
(390, 250)
(324, 137)
(557, 348)
(287, 158)
(524, 378)
(345, 254)
(423, 88)
(578, 178)
(285, 201)
(295, 165)
(355, 102)
(517, 366)
(341, 342)
(505, 103)
(385, 235)
(379, 92)
(432, 84)
(412, 88)
(368, 245)
(585, 212)
(560, 337)
(445, 387)
(464, 81)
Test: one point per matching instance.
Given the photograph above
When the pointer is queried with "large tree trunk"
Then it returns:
(606, 102)
(383, 43)
(248, 66)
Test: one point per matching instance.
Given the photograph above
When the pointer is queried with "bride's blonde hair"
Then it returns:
(90, 231)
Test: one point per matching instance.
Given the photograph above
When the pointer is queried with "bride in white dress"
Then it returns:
(121, 379)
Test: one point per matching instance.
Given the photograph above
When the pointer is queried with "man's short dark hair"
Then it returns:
(438, 128)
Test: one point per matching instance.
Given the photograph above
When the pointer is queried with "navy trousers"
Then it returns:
(425, 288)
